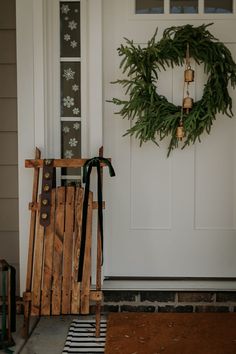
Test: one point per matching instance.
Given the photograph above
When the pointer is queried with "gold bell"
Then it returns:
(189, 75)
(180, 132)
(187, 102)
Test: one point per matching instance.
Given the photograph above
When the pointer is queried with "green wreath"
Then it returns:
(154, 116)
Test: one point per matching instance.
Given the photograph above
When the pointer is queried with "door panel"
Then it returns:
(166, 216)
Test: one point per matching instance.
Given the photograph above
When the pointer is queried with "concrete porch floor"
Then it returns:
(48, 337)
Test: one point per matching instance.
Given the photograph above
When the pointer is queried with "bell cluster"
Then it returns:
(187, 103)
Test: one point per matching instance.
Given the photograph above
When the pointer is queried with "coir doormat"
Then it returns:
(171, 333)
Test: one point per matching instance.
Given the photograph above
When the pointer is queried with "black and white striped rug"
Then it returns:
(81, 337)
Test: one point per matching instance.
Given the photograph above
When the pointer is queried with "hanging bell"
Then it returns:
(189, 75)
(180, 132)
(187, 103)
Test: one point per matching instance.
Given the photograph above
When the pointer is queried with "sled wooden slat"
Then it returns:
(67, 250)
(58, 251)
(75, 298)
(48, 261)
(99, 263)
(37, 270)
(27, 307)
(85, 284)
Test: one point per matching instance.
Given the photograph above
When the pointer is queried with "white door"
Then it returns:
(167, 217)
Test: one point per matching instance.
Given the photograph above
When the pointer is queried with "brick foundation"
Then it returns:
(168, 301)
(162, 301)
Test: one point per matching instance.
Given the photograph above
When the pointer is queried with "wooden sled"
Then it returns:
(52, 271)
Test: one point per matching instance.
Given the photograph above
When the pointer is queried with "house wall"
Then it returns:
(9, 235)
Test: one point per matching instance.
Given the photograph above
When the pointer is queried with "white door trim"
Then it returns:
(95, 85)
(30, 88)
(91, 77)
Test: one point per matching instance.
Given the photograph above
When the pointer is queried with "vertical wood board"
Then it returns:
(37, 271)
(58, 251)
(48, 260)
(75, 300)
(67, 250)
(86, 278)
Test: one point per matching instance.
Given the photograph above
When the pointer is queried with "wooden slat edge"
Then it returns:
(75, 298)
(86, 278)
(67, 250)
(74, 163)
(27, 302)
(58, 250)
(48, 260)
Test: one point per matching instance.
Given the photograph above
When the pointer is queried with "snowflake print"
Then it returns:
(72, 25)
(66, 37)
(65, 9)
(69, 74)
(66, 129)
(66, 18)
(73, 44)
(68, 101)
(73, 142)
(75, 87)
(76, 10)
(76, 111)
(76, 126)
(68, 154)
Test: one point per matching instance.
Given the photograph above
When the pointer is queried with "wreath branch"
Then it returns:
(153, 116)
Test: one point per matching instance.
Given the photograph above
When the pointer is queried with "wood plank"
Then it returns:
(98, 280)
(27, 304)
(95, 205)
(99, 264)
(48, 260)
(32, 226)
(96, 295)
(67, 250)
(75, 300)
(58, 250)
(38, 264)
(86, 278)
(37, 163)
(35, 206)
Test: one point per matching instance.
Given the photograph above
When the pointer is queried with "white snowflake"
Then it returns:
(76, 126)
(68, 154)
(67, 37)
(76, 111)
(72, 25)
(66, 129)
(75, 87)
(73, 142)
(69, 74)
(76, 10)
(68, 101)
(65, 9)
(73, 44)
(66, 18)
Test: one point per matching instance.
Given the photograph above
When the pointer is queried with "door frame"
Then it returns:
(126, 282)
